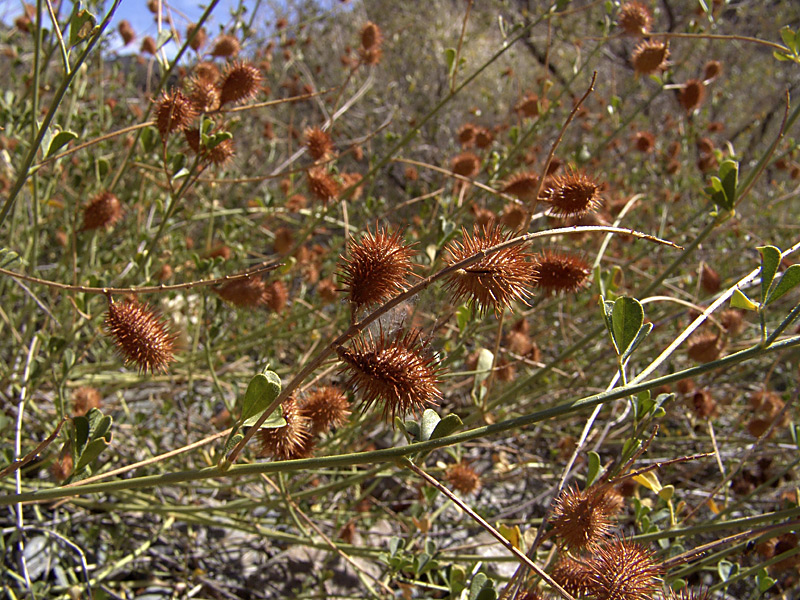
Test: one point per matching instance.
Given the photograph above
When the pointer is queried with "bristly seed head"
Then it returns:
(634, 18)
(571, 195)
(395, 371)
(174, 111)
(522, 185)
(293, 440)
(623, 570)
(140, 334)
(248, 292)
(318, 143)
(571, 575)
(582, 518)
(462, 477)
(376, 267)
(327, 407)
(103, 211)
(225, 46)
(240, 83)
(495, 281)
(322, 185)
(650, 57)
(560, 272)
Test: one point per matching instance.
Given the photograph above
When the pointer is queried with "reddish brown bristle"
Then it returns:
(141, 336)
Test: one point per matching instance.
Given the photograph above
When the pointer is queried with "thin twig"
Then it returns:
(262, 268)
(483, 523)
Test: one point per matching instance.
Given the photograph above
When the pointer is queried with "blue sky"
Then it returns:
(182, 12)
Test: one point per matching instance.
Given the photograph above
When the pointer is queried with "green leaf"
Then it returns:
(232, 441)
(274, 420)
(781, 56)
(787, 282)
(739, 300)
(164, 36)
(770, 259)
(430, 419)
(450, 59)
(593, 471)
(723, 188)
(261, 392)
(463, 316)
(788, 37)
(764, 581)
(8, 258)
(627, 318)
(456, 580)
(482, 370)
(149, 138)
(81, 23)
(482, 588)
(59, 140)
(92, 434)
(446, 426)
(643, 332)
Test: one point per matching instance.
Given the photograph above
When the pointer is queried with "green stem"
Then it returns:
(22, 173)
(392, 454)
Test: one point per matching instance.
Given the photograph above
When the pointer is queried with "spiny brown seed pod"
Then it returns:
(63, 465)
(687, 593)
(463, 478)
(226, 46)
(623, 570)
(318, 143)
(103, 211)
(371, 35)
(705, 347)
(560, 272)
(327, 407)
(140, 334)
(709, 279)
(644, 141)
(200, 38)
(203, 94)
(705, 145)
(322, 185)
(207, 72)
(277, 296)
(691, 95)
(466, 164)
(394, 370)
(712, 70)
(371, 40)
(703, 405)
(571, 575)
(85, 399)
(494, 282)
(126, 32)
(529, 105)
(732, 321)
(248, 292)
(240, 83)
(650, 57)
(522, 185)
(291, 440)
(582, 518)
(634, 18)
(466, 134)
(173, 112)
(148, 46)
(571, 195)
(219, 154)
(483, 138)
(513, 216)
(375, 267)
